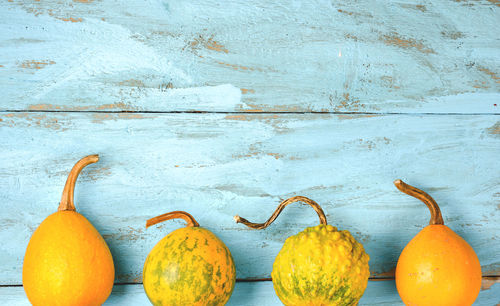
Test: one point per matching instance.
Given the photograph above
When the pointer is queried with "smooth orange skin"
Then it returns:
(67, 262)
(438, 268)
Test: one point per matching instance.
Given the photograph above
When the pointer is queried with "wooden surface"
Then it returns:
(250, 294)
(371, 56)
(212, 108)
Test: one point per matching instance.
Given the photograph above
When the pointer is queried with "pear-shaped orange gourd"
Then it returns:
(437, 267)
(67, 262)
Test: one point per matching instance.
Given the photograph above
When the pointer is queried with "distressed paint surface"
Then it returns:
(259, 56)
(253, 294)
(423, 78)
(219, 165)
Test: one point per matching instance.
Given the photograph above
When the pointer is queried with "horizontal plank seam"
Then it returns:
(251, 280)
(246, 113)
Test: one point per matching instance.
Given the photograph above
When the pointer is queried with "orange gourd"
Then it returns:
(437, 267)
(67, 262)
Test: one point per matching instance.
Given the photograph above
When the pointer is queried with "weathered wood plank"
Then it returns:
(343, 56)
(217, 165)
(253, 294)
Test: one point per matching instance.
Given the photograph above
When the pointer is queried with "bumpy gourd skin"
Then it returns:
(321, 266)
(190, 266)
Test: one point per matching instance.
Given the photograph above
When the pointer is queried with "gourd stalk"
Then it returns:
(69, 189)
(314, 205)
(436, 217)
(190, 221)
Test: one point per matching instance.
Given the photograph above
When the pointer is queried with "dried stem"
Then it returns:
(317, 208)
(69, 189)
(173, 215)
(436, 217)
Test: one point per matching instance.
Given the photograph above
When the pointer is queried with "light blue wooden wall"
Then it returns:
(225, 107)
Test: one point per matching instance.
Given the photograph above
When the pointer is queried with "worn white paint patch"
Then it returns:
(194, 98)
(111, 49)
(83, 51)
(480, 102)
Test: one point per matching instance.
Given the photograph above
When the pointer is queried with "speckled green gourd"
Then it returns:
(189, 266)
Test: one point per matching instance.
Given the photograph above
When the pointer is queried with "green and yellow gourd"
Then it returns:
(189, 266)
(320, 265)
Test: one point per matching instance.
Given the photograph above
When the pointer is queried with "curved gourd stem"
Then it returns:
(173, 215)
(69, 189)
(436, 217)
(317, 208)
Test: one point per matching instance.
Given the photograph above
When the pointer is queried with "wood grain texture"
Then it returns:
(252, 294)
(217, 165)
(423, 77)
(260, 56)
